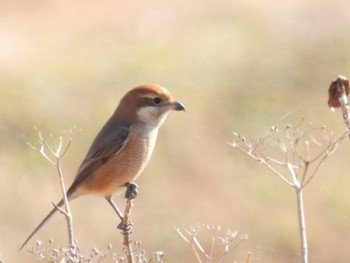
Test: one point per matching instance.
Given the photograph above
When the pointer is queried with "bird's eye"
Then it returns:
(156, 100)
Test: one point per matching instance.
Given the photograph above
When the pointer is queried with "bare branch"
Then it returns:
(46, 150)
(280, 163)
(229, 250)
(331, 149)
(307, 165)
(304, 148)
(294, 176)
(67, 147)
(59, 147)
(264, 162)
(126, 233)
(229, 241)
(62, 211)
(44, 143)
(41, 150)
(182, 235)
(189, 242)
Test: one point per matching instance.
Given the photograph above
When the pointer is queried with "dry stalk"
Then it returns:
(53, 152)
(229, 241)
(295, 155)
(127, 231)
(126, 225)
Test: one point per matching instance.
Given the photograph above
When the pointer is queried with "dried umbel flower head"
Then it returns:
(338, 88)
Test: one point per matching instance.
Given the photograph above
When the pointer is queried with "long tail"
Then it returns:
(42, 223)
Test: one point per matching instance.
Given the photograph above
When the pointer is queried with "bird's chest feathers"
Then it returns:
(140, 145)
(127, 164)
(134, 156)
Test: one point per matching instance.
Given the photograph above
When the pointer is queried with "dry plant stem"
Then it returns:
(54, 156)
(302, 225)
(264, 161)
(193, 242)
(229, 242)
(322, 157)
(301, 165)
(67, 214)
(222, 257)
(301, 215)
(196, 253)
(126, 233)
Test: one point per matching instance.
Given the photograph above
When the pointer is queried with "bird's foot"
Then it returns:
(126, 228)
(131, 191)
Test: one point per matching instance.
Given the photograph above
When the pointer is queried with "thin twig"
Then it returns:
(298, 167)
(127, 232)
(302, 225)
(326, 153)
(45, 149)
(189, 241)
(67, 147)
(262, 161)
(191, 237)
(60, 209)
(199, 246)
(267, 158)
(214, 231)
(306, 168)
(229, 250)
(195, 252)
(296, 183)
(69, 216)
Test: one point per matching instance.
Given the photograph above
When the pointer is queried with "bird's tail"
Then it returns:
(42, 223)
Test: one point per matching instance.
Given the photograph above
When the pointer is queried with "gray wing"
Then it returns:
(110, 140)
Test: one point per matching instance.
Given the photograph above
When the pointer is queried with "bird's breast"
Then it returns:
(127, 164)
(137, 151)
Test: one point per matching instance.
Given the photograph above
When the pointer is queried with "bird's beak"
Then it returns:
(177, 106)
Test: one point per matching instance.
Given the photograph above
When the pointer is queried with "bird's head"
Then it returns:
(149, 104)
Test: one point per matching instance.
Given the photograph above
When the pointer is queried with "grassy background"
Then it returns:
(236, 65)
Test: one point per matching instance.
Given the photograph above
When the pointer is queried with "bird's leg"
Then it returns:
(131, 191)
(115, 208)
(122, 226)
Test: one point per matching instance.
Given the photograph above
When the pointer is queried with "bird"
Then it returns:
(122, 148)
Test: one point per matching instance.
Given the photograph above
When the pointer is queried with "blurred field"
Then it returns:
(236, 65)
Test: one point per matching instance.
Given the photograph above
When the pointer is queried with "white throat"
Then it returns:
(152, 116)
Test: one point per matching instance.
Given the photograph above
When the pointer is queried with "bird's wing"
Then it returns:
(109, 141)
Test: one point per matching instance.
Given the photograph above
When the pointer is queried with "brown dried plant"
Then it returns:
(222, 242)
(294, 153)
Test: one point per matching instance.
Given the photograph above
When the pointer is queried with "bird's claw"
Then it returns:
(131, 191)
(126, 228)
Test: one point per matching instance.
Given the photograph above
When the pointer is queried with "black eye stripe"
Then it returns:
(147, 101)
(156, 100)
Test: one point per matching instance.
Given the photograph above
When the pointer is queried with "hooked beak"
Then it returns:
(177, 106)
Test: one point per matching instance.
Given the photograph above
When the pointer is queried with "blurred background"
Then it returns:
(236, 65)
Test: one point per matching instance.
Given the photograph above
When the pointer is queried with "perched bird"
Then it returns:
(122, 148)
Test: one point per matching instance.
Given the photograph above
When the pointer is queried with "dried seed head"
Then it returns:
(274, 129)
(338, 88)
